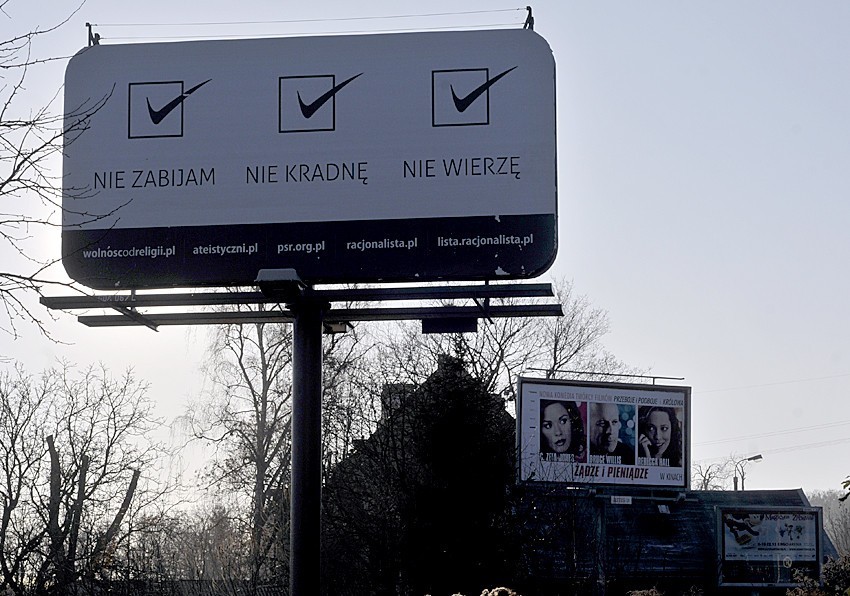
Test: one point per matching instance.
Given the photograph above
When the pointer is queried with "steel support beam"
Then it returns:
(340, 314)
(306, 489)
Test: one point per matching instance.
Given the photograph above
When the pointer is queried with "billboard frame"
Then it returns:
(593, 471)
(371, 189)
(764, 567)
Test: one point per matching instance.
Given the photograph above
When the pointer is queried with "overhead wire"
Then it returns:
(800, 447)
(297, 21)
(352, 31)
(807, 446)
(309, 21)
(775, 433)
(779, 432)
(789, 382)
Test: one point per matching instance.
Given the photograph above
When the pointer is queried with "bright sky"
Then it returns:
(703, 199)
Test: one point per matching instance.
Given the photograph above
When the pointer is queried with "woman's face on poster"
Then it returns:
(659, 430)
(556, 427)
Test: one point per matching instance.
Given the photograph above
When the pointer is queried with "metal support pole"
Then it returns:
(601, 548)
(305, 517)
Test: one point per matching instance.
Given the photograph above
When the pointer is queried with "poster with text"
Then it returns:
(404, 157)
(603, 433)
(765, 545)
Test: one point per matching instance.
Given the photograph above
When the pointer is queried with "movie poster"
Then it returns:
(603, 433)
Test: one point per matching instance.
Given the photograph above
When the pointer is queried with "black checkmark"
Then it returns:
(159, 115)
(461, 103)
(311, 108)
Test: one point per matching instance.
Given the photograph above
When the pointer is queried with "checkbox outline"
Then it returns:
(434, 124)
(130, 134)
(280, 128)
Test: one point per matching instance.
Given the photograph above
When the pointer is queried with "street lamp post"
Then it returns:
(740, 466)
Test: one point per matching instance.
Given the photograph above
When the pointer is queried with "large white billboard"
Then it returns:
(404, 157)
(603, 433)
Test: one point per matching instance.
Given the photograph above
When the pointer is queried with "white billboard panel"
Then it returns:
(603, 433)
(406, 157)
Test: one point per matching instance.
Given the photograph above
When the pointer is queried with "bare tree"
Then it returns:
(720, 474)
(246, 415)
(836, 517)
(22, 410)
(202, 544)
(711, 476)
(31, 143)
(575, 341)
(349, 409)
(247, 420)
(73, 445)
(504, 348)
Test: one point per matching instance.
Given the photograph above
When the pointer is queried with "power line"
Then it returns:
(773, 384)
(297, 21)
(784, 449)
(807, 446)
(776, 433)
(189, 37)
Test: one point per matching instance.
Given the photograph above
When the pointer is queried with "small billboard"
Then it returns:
(398, 157)
(603, 433)
(765, 546)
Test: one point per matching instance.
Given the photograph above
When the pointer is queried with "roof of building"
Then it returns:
(649, 535)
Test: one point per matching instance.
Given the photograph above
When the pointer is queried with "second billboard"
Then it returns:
(603, 433)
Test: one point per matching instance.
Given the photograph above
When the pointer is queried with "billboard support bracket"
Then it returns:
(484, 306)
(282, 284)
(309, 309)
(529, 20)
(134, 315)
(94, 38)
